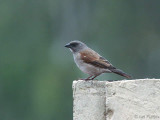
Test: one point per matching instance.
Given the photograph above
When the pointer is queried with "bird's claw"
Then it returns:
(85, 79)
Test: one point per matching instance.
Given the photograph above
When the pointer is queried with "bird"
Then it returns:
(90, 62)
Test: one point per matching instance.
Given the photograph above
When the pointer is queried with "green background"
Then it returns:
(36, 71)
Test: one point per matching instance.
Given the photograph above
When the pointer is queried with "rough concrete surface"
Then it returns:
(119, 100)
(89, 100)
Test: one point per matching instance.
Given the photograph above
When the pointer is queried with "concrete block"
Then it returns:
(89, 100)
(118, 100)
(133, 100)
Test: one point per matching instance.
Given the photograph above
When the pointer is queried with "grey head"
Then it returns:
(76, 46)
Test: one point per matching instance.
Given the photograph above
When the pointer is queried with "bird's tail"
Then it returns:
(120, 72)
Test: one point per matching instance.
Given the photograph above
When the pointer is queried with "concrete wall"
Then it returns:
(119, 100)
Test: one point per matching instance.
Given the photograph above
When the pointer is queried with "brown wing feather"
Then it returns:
(93, 58)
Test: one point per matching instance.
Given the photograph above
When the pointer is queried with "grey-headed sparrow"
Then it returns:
(91, 62)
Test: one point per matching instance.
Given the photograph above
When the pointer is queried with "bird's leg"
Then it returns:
(88, 78)
(94, 77)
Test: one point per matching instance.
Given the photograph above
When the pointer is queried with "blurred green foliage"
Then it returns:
(36, 71)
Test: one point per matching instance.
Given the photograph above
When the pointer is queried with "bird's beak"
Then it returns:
(67, 46)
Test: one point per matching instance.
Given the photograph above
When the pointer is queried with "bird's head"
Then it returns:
(76, 46)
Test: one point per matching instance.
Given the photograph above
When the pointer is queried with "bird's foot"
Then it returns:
(86, 79)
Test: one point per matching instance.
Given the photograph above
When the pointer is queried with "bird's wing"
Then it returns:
(93, 58)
